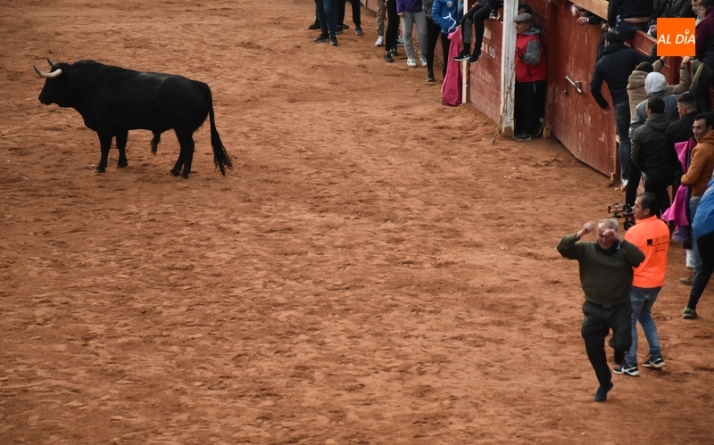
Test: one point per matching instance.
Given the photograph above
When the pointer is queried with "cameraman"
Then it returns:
(651, 236)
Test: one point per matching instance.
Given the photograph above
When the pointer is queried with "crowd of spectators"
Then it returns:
(665, 131)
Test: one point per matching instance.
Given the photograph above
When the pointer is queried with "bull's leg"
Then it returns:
(186, 155)
(155, 143)
(179, 163)
(121, 146)
(105, 143)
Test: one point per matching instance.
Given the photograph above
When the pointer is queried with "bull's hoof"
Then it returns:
(175, 172)
(121, 164)
(99, 169)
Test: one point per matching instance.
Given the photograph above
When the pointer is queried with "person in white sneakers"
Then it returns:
(412, 13)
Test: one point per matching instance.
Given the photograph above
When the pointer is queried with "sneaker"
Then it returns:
(473, 58)
(393, 52)
(380, 41)
(657, 363)
(601, 393)
(430, 77)
(411, 62)
(689, 313)
(400, 42)
(344, 26)
(338, 30)
(358, 30)
(623, 185)
(522, 136)
(462, 56)
(494, 15)
(322, 38)
(315, 25)
(688, 280)
(626, 369)
(388, 58)
(333, 41)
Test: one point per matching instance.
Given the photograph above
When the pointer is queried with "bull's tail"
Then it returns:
(221, 157)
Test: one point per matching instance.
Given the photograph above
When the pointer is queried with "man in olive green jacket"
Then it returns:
(606, 278)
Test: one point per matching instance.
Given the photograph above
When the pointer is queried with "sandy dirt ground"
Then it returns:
(373, 271)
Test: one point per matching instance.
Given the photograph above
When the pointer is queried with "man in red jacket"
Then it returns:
(530, 80)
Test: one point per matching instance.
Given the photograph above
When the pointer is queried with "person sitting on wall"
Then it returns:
(585, 17)
(530, 80)
(629, 16)
(476, 16)
(670, 9)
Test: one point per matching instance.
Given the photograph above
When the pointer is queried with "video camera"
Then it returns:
(620, 211)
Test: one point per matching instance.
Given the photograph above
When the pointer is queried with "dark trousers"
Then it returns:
(596, 325)
(658, 186)
(434, 31)
(529, 106)
(475, 16)
(706, 251)
(327, 17)
(392, 27)
(340, 12)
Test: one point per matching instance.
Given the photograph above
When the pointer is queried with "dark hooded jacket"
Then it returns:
(648, 148)
(617, 63)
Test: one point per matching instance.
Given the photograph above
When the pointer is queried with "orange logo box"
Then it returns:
(675, 37)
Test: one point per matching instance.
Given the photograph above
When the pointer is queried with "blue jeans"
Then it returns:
(642, 300)
(622, 121)
(693, 204)
(327, 17)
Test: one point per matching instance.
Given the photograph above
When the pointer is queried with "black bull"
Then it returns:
(114, 100)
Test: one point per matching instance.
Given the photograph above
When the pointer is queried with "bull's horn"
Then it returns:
(50, 62)
(51, 75)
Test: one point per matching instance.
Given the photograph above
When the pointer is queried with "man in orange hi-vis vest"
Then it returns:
(651, 236)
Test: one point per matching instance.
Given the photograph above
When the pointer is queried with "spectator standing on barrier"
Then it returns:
(614, 68)
(327, 22)
(697, 177)
(392, 31)
(629, 16)
(649, 155)
(356, 15)
(476, 16)
(445, 14)
(412, 13)
(531, 72)
(703, 227)
(651, 236)
(606, 272)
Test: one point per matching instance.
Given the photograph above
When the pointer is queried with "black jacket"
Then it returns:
(678, 131)
(648, 148)
(628, 9)
(617, 63)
